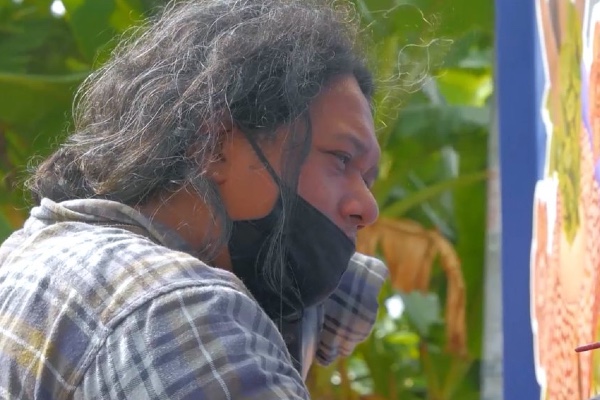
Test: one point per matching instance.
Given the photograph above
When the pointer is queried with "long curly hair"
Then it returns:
(149, 120)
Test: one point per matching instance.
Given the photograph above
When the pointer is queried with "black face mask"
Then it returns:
(316, 254)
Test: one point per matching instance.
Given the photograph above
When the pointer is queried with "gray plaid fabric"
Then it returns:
(97, 312)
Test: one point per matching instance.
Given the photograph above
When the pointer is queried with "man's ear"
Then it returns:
(218, 169)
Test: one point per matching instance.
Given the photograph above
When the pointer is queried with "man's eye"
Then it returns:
(343, 157)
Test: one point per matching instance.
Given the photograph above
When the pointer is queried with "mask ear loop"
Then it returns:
(290, 327)
(263, 159)
(292, 189)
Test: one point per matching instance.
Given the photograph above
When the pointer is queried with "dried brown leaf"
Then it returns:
(410, 251)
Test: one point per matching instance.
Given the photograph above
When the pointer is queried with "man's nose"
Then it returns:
(362, 208)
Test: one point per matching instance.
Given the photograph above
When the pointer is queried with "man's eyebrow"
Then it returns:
(356, 142)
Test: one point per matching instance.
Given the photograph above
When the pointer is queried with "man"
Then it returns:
(194, 237)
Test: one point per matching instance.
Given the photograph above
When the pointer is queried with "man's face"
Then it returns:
(335, 177)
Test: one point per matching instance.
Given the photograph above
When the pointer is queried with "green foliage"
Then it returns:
(433, 64)
(43, 60)
(422, 311)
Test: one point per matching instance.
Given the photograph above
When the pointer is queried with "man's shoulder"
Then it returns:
(71, 286)
(125, 268)
(102, 272)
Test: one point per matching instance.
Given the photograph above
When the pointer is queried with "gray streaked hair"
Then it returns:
(149, 120)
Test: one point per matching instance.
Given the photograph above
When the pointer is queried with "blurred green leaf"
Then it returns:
(23, 93)
(441, 123)
(405, 338)
(471, 51)
(470, 210)
(400, 207)
(428, 128)
(422, 310)
(96, 24)
(33, 41)
(447, 371)
(49, 96)
(465, 87)
(90, 22)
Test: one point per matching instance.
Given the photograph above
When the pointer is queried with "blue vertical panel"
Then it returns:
(516, 75)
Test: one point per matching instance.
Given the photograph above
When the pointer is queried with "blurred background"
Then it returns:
(438, 230)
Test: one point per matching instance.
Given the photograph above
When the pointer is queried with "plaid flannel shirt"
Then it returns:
(89, 310)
